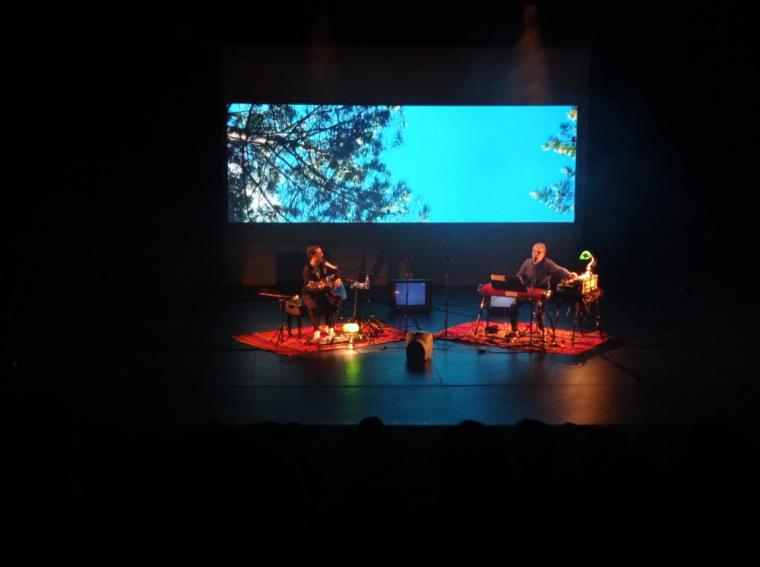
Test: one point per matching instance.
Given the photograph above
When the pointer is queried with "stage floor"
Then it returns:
(666, 363)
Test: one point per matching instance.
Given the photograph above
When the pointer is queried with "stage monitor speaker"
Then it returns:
(419, 346)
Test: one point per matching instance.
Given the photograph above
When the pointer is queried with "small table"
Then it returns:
(295, 308)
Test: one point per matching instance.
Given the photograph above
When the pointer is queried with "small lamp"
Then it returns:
(586, 255)
(589, 279)
(351, 329)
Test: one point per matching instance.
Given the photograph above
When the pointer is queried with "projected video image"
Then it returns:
(400, 164)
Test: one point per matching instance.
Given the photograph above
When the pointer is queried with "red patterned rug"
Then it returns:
(563, 343)
(293, 346)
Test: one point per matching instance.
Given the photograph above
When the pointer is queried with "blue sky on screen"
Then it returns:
(477, 163)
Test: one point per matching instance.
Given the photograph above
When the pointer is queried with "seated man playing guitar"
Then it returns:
(322, 291)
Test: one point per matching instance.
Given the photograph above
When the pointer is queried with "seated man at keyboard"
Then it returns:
(537, 272)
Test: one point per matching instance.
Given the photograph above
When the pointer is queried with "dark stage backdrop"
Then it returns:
(115, 186)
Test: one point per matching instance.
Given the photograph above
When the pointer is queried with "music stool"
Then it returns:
(295, 308)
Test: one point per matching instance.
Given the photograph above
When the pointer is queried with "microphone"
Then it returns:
(331, 266)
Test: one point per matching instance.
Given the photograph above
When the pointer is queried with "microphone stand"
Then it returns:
(446, 299)
(368, 288)
(355, 317)
(406, 302)
(371, 325)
